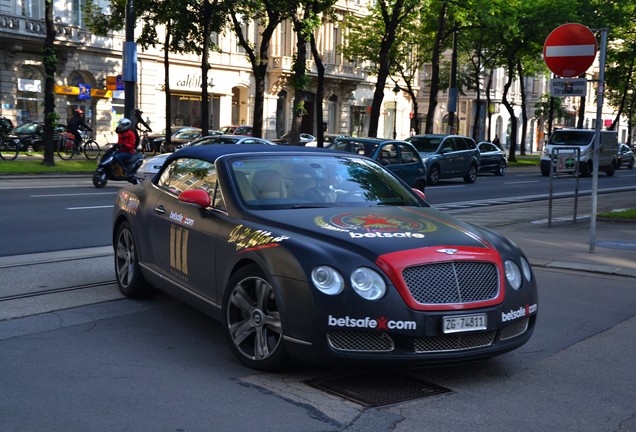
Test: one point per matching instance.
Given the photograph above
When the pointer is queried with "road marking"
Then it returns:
(89, 208)
(73, 194)
(522, 182)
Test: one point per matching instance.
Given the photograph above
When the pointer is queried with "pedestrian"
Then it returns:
(412, 133)
(125, 143)
(138, 122)
(496, 141)
(75, 125)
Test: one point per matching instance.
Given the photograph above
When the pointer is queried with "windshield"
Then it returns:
(27, 128)
(275, 181)
(426, 144)
(215, 140)
(571, 138)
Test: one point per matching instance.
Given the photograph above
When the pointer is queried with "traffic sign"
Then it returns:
(570, 50)
(568, 87)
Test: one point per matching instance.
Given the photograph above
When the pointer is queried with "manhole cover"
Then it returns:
(372, 389)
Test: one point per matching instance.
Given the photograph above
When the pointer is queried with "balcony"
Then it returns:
(283, 65)
(18, 27)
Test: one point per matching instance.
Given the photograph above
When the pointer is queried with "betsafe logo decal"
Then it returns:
(375, 225)
(381, 323)
(518, 313)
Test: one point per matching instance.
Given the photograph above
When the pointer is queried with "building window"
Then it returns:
(32, 9)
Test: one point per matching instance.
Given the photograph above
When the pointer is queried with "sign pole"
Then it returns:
(597, 139)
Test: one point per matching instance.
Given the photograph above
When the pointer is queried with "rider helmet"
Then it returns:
(124, 125)
(79, 111)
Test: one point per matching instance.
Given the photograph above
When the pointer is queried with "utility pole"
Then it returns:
(130, 63)
(452, 91)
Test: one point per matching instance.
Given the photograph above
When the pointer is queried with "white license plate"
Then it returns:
(463, 323)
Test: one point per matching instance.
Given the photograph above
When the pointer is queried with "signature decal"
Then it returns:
(373, 225)
(247, 238)
(179, 251)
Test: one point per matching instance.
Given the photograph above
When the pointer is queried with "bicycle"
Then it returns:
(66, 146)
(147, 147)
(9, 148)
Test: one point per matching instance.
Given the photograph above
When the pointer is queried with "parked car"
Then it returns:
(625, 156)
(399, 157)
(179, 139)
(492, 159)
(32, 134)
(377, 275)
(447, 156)
(152, 165)
(327, 139)
(157, 139)
(236, 130)
(568, 143)
(305, 139)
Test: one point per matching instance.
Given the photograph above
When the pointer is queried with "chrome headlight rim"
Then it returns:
(513, 274)
(368, 283)
(327, 280)
(526, 269)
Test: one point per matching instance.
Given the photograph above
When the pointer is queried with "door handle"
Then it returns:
(160, 209)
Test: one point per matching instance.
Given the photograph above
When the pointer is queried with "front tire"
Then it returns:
(252, 322)
(433, 175)
(501, 170)
(99, 180)
(130, 281)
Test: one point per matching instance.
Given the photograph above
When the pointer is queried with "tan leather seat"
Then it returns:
(268, 184)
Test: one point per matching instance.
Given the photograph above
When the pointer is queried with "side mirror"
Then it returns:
(419, 193)
(197, 197)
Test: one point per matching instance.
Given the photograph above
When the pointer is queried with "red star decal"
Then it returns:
(372, 221)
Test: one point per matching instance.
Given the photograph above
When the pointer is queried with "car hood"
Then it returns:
(379, 230)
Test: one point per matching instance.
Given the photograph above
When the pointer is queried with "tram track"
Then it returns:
(38, 293)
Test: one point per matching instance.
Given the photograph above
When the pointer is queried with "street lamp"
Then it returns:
(396, 90)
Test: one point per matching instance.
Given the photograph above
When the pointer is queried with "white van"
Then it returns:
(584, 139)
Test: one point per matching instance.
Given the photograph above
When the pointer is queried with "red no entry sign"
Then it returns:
(570, 50)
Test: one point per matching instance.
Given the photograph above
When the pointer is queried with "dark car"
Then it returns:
(178, 138)
(366, 271)
(32, 134)
(399, 157)
(157, 139)
(305, 139)
(492, 159)
(625, 156)
(447, 156)
(235, 130)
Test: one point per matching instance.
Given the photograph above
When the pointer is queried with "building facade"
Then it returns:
(90, 68)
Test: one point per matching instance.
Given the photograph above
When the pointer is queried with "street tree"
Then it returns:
(50, 65)
(268, 14)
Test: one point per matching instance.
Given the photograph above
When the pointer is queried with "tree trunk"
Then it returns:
(320, 92)
(511, 112)
(50, 64)
(166, 70)
(437, 50)
(391, 23)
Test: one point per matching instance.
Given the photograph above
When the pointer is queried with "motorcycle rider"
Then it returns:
(126, 143)
(74, 125)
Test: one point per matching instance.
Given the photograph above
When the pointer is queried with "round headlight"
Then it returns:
(368, 283)
(513, 274)
(327, 280)
(525, 268)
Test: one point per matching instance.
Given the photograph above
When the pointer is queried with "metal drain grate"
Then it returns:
(373, 389)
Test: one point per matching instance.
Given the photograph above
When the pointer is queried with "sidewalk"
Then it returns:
(566, 244)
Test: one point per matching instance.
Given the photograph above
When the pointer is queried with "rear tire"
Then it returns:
(8, 150)
(130, 281)
(471, 175)
(65, 149)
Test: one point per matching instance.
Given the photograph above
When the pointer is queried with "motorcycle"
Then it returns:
(109, 168)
